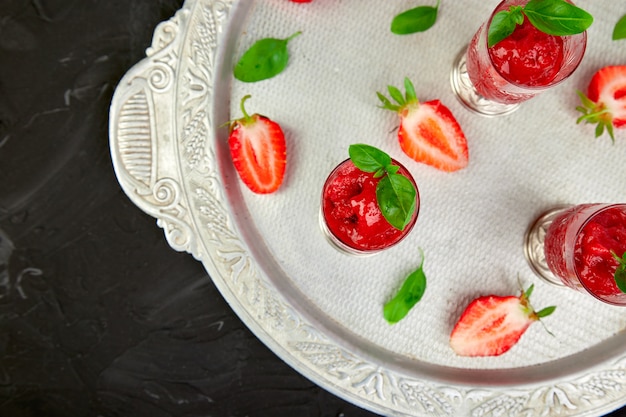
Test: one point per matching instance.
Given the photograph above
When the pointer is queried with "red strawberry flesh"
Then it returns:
(429, 133)
(491, 325)
(608, 87)
(528, 57)
(258, 150)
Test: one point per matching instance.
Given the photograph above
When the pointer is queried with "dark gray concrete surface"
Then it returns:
(98, 315)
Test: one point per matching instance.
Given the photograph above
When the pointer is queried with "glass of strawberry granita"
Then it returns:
(580, 247)
(350, 216)
(493, 81)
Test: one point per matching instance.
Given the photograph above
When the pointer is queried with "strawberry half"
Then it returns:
(605, 102)
(429, 132)
(258, 149)
(491, 324)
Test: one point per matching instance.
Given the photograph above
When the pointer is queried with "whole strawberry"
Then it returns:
(429, 132)
(605, 101)
(258, 149)
(492, 324)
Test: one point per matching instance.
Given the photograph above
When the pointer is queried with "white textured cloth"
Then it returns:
(471, 223)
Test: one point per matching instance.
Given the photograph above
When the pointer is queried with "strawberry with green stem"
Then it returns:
(491, 325)
(605, 102)
(429, 132)
(258, 150)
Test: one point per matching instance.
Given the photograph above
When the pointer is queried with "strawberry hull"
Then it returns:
(489, 326)
(258, 150)
(605, 102)
(350, 215)
(578, 249)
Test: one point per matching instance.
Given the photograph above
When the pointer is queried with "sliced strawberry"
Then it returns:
(258, 149)
(605, 102)
(491, 324)
(429, 132)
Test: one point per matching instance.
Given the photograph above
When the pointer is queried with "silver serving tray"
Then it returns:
(169, 152)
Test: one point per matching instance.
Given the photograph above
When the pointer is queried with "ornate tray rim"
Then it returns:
(162, 112)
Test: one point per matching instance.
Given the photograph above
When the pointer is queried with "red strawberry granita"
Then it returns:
(523, 64)
(351, 216)
(528, 57)
(579, 247)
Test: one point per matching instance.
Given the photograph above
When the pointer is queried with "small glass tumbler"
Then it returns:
(349, 214)
(576, 246)
(482, 87)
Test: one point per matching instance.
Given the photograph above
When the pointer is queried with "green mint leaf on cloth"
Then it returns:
(620, 272)
(557, 17)
(619, 31)
(265, 59)
(554, 17)
(395, 193)
(410, 293)
(415, 20)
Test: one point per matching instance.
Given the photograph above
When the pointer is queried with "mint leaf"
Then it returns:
(620, 272)
(379, 173)
(619, 31)
(415, 20)
(554, 17)
(410, 293)
(392, 169)
(557, 17)
(368, 158)
(395, 194)
(265, 59)
(503, 25)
